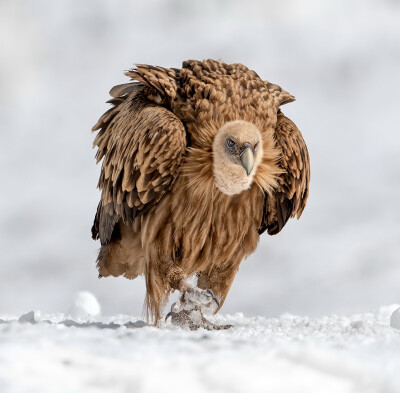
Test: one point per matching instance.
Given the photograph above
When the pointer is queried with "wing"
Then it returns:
(142, 145)
(289, 200)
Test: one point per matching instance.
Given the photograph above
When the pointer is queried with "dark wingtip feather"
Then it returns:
(284, 210)
(125, 88)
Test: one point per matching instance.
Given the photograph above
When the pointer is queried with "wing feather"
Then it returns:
(289, 200)
(142, 145)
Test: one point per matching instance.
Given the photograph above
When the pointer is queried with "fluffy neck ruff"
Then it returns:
(207, 173)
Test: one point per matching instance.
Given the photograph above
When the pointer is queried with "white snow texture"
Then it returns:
(330, 354)
(341, 60)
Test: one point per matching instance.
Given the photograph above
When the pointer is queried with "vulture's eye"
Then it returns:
(230, 144)
(256, 146)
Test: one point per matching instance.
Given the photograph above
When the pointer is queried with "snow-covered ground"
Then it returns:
(54, 353)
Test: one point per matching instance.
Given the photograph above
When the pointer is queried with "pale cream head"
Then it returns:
(237, 153)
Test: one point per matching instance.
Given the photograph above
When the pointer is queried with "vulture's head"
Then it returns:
(237, 154)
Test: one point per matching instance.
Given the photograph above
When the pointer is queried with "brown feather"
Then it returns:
(130, 127)
(290, 197)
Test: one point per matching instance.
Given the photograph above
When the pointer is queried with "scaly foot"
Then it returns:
(189, 309)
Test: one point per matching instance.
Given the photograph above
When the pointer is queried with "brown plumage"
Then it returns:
(197, 163)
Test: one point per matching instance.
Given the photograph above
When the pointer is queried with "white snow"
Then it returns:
(290, 353)
(85, 305)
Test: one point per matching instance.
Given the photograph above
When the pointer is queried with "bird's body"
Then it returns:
(198, 162)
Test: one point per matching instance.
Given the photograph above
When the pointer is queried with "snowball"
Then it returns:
(30, 317)
(85, 305)
(395, 319)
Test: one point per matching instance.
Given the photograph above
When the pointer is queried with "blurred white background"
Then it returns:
(340, 59)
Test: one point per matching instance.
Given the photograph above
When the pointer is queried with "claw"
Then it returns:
(188, 310)
(212, 326)
(214, 299)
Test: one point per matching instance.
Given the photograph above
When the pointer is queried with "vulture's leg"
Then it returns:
(218, 280)
(193, 303)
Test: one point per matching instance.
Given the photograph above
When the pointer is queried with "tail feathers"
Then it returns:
(157, 294)
(123, 255)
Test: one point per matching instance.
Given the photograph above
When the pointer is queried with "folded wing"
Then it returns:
(142, 145)
(289, 199)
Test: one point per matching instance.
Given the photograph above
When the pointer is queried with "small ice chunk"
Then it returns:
(85, 305)
(395, 319)
(30, 317)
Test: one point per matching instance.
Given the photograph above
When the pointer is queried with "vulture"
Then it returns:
(197, 163)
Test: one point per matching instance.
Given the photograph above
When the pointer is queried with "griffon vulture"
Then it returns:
(198, 162)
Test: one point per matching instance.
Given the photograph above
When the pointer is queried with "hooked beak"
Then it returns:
(247, 159)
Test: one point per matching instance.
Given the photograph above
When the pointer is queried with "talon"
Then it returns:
(215, 299)
(210, 292)
(188, 311)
